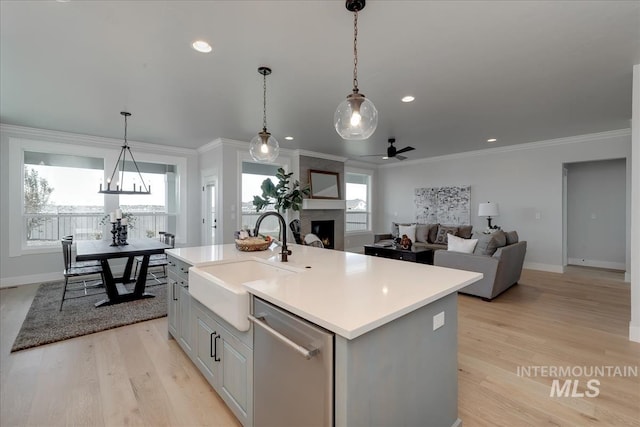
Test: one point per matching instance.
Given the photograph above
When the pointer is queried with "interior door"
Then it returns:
(210, 220)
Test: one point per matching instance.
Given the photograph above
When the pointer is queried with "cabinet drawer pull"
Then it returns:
(213, 350)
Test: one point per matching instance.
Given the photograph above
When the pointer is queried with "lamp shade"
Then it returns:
(488, 209)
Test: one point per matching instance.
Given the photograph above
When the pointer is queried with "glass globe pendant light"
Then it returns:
(263, 147)
(356, 117)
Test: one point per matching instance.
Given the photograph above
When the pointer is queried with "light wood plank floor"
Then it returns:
(134, 376)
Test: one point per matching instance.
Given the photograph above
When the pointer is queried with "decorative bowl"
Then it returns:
(252, 244)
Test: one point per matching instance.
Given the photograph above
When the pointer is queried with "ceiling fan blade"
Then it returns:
(404, 150)
(399, 157)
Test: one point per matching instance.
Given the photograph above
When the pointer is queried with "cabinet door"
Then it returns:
(172, 304)
(236, 376)
(184, 317)
(204, 347)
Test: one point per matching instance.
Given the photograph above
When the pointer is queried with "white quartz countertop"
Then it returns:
(347, 293)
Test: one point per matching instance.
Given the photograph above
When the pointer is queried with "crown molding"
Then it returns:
(361, 164)
(98, 141)
(515, 147)
(320, 155)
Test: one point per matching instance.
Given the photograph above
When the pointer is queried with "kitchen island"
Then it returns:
(395, 326)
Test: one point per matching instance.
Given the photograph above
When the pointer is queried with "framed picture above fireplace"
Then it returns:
(324, 184)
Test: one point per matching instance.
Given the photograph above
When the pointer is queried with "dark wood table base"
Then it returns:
(119, 293)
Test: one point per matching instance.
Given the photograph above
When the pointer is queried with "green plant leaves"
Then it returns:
(281, 195)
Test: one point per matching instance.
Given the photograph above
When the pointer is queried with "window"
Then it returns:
(153, 212)
(253, 174)
(358, 197)
(54, 193)
(60, 198)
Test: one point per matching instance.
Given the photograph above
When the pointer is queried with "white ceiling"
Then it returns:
(518, 71)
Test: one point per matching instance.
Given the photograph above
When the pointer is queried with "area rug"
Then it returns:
(45, 324)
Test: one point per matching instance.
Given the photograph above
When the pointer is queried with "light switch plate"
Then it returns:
(438, 320)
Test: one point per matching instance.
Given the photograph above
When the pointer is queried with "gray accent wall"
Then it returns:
(307, 163)
(596, 213)
(525, 180)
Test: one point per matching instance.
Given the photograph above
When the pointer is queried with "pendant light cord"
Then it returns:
(355, 51)
(264, 102)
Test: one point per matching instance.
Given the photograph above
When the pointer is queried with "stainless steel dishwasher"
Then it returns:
(292, 369)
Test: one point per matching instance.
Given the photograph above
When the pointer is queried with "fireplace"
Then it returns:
(325, 232)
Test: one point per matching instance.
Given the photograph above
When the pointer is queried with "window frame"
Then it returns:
(370, 174)
(17, 148)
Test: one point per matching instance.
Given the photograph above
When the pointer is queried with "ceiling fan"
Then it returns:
(392, 151)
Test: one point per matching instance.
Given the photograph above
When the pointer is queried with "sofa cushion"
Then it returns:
(409, 230)
(489, 243)
(422, 233)
(395, 232)
(443, 232)
(465, 231)
(458, 244)
(512, 237)
(426, 233)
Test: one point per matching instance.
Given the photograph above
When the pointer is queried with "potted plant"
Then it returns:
(283, 196)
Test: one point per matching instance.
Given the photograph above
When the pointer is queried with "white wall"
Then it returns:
(526, 180)
(48, 266)
(596, 213)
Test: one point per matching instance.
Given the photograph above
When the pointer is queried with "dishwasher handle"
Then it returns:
(307, 354)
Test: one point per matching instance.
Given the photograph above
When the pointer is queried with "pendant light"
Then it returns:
(119, 188)
(356, 117)
(264, 148)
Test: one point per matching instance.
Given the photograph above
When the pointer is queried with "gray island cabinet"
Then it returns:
(223, 354)
(394, 328)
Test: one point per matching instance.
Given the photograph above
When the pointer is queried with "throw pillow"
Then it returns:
(488, 244)
(443, 232)
(409, 230)
(458, 244)
(422, 233)
(512, 237)
(433, 232)
(464, 231)
(395, 232)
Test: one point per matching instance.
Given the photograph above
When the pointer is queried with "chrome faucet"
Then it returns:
(283, 231)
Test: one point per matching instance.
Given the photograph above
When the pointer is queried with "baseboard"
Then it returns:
(597, 264)
(6, 282)
(634, 332)
(552, 268)
(458, 423)
(627, 277)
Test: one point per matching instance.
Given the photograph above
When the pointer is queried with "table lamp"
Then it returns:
(489, 210)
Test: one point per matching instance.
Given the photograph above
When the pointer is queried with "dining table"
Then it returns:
(103, 251)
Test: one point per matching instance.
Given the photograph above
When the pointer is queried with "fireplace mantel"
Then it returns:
(324, 204)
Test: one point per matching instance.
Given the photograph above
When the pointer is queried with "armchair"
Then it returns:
(500, 271)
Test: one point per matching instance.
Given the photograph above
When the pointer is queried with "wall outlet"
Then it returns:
(438, 320)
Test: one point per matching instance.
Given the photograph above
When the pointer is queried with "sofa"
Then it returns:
(498, 256)
(431, 236)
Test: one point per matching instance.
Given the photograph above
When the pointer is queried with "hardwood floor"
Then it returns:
(134, 375)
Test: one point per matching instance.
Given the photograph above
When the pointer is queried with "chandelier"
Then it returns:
(119, 187)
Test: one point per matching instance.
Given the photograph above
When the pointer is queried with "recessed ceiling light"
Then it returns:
(288, 138)
(202, 46)
(63, 1)
(491, 140)
(385, 158)
(408, 98)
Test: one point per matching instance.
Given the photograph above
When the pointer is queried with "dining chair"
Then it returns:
(76, 270)
(80, 263)
(157, 260)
